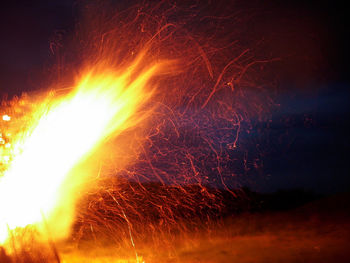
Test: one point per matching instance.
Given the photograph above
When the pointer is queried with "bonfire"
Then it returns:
(135, 142)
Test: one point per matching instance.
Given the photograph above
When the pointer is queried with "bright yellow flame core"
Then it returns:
(35, 187)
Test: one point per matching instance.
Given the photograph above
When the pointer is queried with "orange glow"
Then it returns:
(39, 185)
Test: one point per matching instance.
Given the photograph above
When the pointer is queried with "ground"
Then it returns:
(316, 232)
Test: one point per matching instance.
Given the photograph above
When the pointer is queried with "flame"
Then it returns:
(39, 186)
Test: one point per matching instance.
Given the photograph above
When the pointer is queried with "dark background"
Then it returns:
(307, 137)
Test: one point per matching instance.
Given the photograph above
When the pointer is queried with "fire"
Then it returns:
(170, 179)
(39, 185)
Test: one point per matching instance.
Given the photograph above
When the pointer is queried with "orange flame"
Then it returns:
(39, 185)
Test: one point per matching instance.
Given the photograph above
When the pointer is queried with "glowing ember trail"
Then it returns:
(39, 185)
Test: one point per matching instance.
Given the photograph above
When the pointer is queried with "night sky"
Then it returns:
(307, 138)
